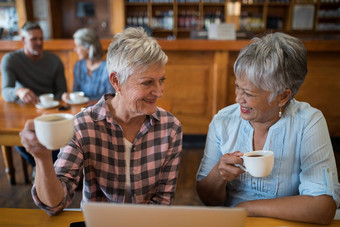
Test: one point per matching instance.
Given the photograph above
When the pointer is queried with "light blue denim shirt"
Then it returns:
(94, 86)
(304, 161)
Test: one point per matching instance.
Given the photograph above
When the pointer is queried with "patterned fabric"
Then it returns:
(98, 148)
(94, 86)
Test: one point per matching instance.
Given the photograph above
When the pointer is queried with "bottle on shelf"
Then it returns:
(141, 19)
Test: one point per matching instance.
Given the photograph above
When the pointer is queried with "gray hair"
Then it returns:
(89, 40)
(133, 51)
(28, 26)
(274, 63)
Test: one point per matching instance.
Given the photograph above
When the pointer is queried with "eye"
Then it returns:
(162, 80)
(147, 83)
(249, 95)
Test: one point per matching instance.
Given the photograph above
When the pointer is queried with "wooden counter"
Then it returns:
(200, 78)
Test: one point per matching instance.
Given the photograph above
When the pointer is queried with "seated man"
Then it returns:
(30, 72)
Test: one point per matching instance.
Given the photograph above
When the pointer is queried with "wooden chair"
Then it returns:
(25, 170)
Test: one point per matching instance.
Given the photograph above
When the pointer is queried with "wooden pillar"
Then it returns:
(24, 11)
(117, 16)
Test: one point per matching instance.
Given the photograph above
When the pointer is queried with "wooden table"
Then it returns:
(35, 217)
(13, 117)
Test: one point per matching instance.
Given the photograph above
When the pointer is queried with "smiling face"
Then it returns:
(254, 103)
(140, 91)
(33, 43)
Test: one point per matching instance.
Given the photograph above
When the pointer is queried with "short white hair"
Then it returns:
(133, 51)
(273, 63)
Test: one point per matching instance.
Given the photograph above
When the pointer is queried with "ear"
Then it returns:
(114, 81)
(284, 97)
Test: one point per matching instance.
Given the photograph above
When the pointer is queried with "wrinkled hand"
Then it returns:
(31, 143)
(27, 95)
(227, 168)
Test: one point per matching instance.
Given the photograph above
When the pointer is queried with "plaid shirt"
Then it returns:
(98, 148)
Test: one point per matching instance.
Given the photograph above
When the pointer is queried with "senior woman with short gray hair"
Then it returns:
(128, 147)
(89, 73)
(303, 185)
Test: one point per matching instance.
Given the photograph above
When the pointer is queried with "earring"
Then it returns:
(280, 113)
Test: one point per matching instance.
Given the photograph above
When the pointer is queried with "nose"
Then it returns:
(158, 90)
(40, 41)
(239, 97)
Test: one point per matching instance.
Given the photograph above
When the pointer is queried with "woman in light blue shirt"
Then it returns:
(303, 185)
(90, 73)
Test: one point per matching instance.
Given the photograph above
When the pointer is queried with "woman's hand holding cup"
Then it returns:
(226, 166)
(47, 132)
(30, 141)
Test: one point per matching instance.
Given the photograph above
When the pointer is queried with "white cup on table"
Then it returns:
(258, 163)
(46, 99)
(76, 96)
(54, 130)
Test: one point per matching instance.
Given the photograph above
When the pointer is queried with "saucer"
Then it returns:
(51, 105)
(80, 101)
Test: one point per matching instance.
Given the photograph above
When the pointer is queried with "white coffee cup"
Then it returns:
(46, 99)
(76, 96)
(258, 163)
(54, 130)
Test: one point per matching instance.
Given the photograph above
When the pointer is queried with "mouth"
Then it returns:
(150, 101)
(245, 109)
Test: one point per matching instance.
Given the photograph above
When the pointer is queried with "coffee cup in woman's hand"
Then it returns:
(258, 163)
(54, 130)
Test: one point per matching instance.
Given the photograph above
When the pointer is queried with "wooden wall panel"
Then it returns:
(189, 88)
(321, 88)
(70, 22)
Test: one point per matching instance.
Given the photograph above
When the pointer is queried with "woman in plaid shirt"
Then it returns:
(128, 148)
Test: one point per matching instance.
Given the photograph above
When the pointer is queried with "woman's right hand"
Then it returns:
(226, 166)
(31, 143)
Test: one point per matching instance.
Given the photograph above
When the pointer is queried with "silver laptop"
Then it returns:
(110, 214)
